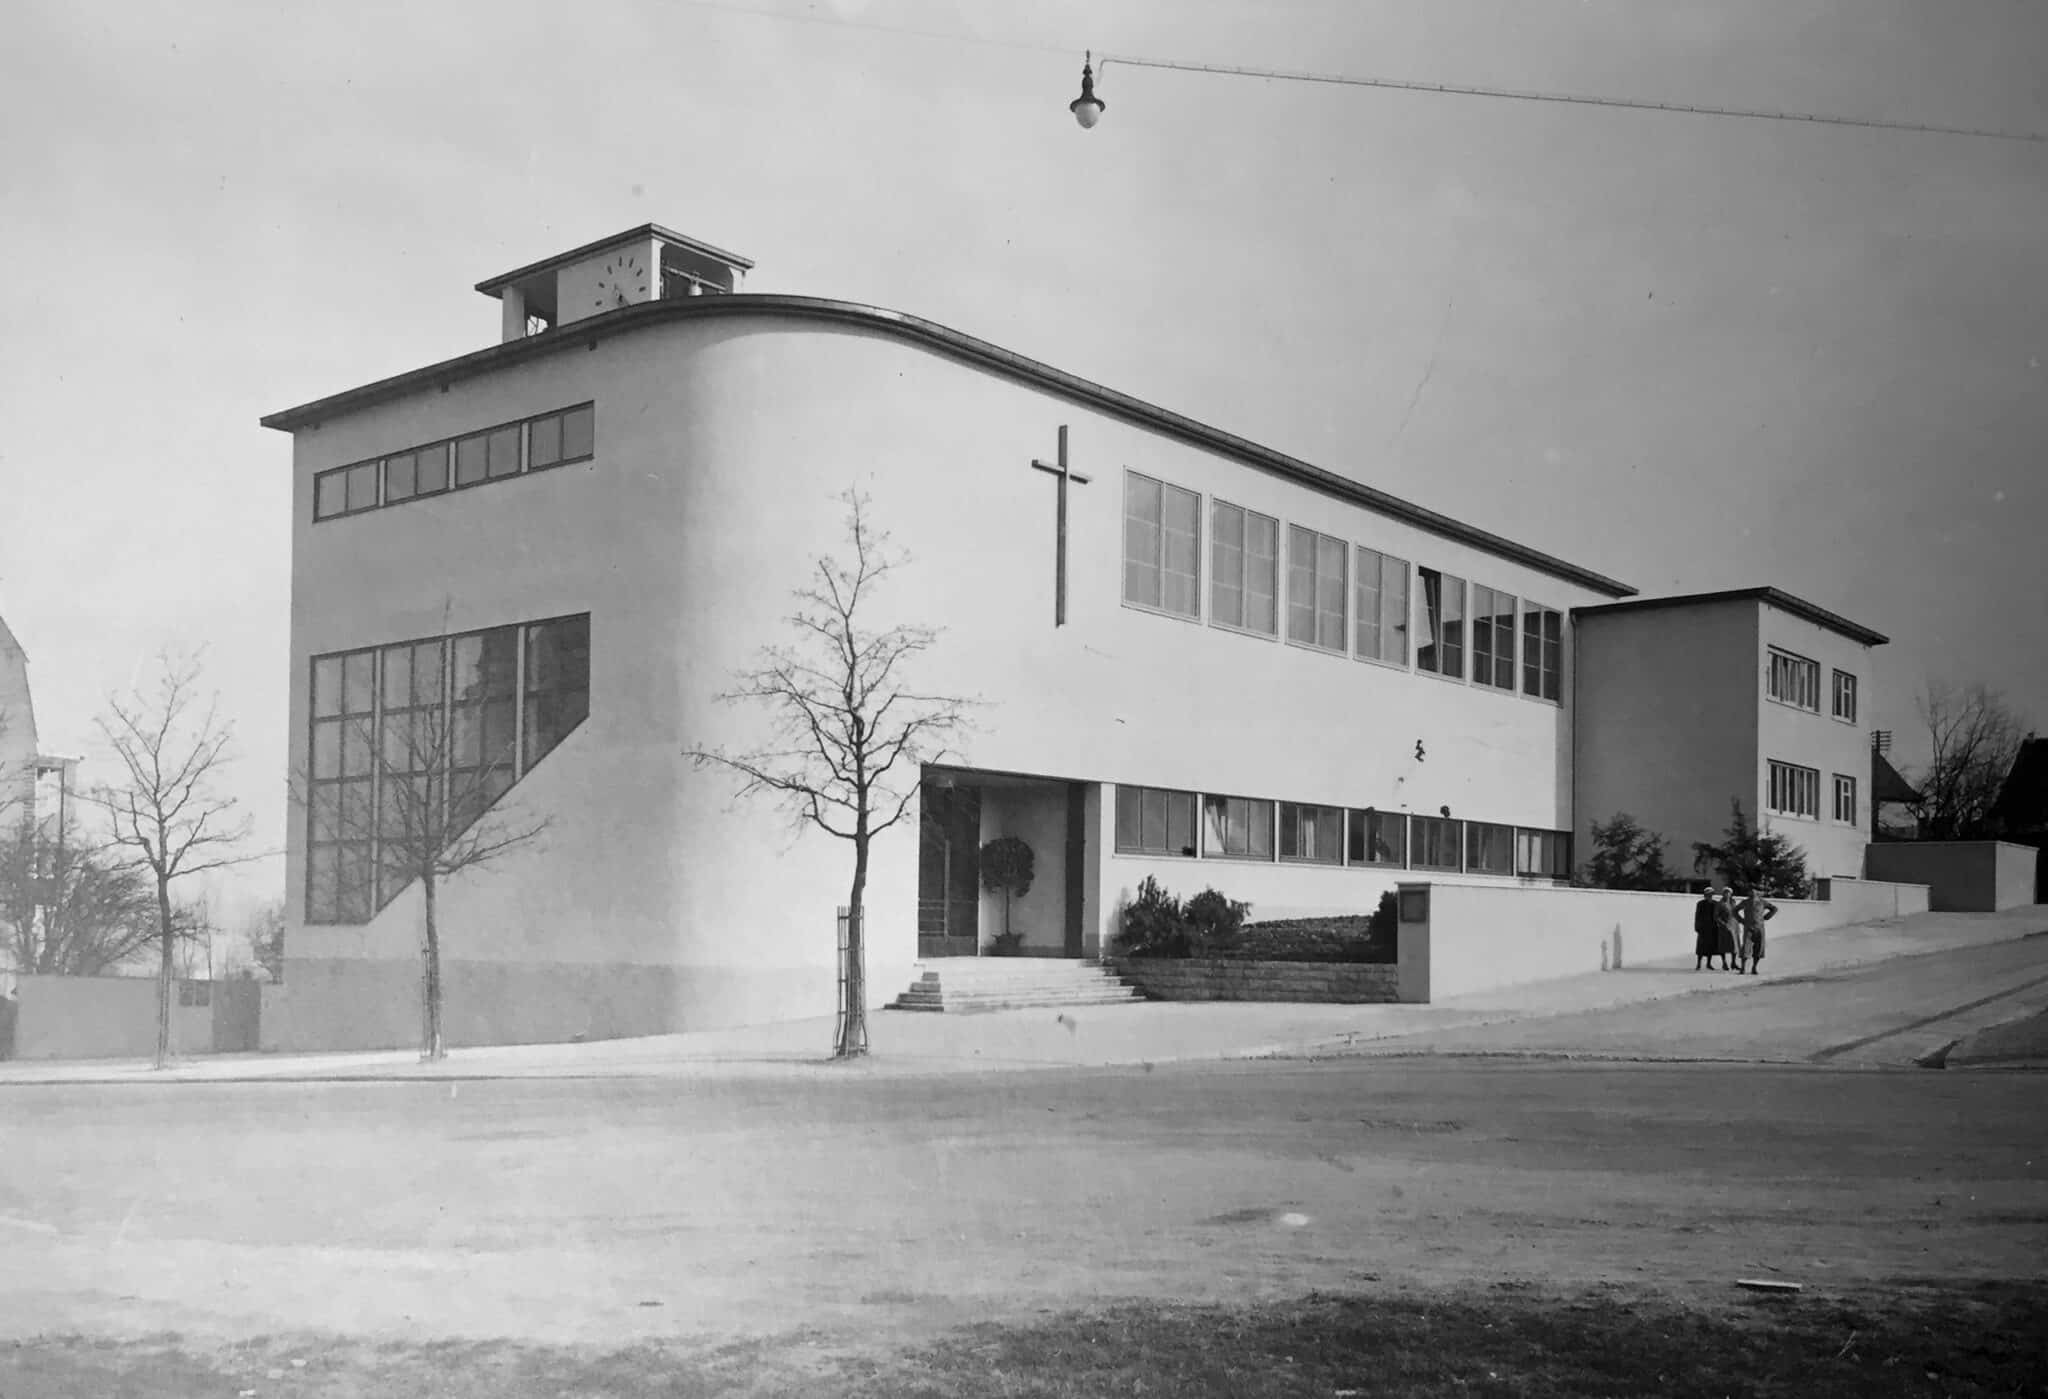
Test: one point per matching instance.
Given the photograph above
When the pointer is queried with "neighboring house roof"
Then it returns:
(2022, 803)
(1885, 783)
(1774, 597)
(954, 345)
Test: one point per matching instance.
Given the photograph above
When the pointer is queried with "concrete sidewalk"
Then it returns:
(910, 1044)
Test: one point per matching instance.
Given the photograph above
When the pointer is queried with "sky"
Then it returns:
(1690, 353)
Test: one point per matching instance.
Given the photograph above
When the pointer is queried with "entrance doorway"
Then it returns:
(949, 871)
(960, 810)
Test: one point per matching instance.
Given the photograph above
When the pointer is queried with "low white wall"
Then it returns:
(1481, 938)
(102, 1017)
(1967, 876)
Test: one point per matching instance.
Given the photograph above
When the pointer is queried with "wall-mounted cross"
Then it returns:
(1064, 474)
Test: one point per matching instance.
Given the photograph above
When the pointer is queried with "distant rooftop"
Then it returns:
(1783, 601)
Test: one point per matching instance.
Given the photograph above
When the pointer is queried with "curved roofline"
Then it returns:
(1783, 601)
(954, 345)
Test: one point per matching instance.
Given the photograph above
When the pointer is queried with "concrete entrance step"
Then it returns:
(1005, 983)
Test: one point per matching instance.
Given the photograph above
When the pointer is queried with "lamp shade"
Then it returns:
(1087, 108)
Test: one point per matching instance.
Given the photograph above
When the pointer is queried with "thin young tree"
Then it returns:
(438, 807)
(166, 809)
(848, 734)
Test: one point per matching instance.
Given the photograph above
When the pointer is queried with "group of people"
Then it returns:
(1730, 926)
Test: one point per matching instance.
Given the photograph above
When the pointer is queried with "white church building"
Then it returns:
(1260, 674)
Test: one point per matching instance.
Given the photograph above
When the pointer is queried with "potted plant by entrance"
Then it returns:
(1006, 869)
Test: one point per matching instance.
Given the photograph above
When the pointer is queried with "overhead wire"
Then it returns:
(1395, 84)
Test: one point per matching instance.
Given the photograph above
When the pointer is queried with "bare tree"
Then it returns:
(439, 807)
(165, 810)
(68, 909)
(848, 736)
(1972, 739)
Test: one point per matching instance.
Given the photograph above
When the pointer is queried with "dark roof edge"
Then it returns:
(956, 345)
(490, 285)
(1783, 601)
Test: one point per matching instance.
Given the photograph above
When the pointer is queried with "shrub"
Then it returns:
(1214, 923)
(1625, 856)
(1752, 859)
(1154, 924)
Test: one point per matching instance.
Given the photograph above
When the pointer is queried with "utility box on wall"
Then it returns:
(1411, 942)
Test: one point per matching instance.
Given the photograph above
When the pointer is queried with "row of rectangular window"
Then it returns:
(1795, 680)
(1342, 598)
(494, 454)
(1795, 791)
(1162, 821)
(415, 740)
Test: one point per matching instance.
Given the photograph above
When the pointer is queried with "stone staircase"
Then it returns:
(960, 984)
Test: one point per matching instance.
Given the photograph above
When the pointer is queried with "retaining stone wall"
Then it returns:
(1211, 979)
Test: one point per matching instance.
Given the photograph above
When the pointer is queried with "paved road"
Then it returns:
(1891, 1013)
(603, 1210)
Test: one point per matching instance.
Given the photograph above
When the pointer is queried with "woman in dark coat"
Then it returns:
(1706, 924)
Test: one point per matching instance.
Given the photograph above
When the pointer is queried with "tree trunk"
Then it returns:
(431, 1045)
(163, 981)
(853, 1019)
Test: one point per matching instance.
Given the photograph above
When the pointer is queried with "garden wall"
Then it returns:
(1471, 938)
(1967, 876)
(1218, 979)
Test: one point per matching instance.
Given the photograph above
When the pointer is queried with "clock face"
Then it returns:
(622, 282)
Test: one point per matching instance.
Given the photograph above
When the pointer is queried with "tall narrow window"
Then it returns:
(1162, 546)
(1493, 637)
(1845, 798)
(1845, 696)
(1153, 821)
(1382, 606)
(557, 684)
(483, 688)
(1542, 651)
(1316, 588)
(1244, 568)
(412, 745)
(340, 876)
(1442, 649)
(1376, 838)
(1239, 826)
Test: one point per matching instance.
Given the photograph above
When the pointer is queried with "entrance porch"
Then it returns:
(961, 811)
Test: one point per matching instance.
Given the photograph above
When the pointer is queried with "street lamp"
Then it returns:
(1087, 108)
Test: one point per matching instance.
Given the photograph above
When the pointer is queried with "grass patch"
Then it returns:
(1512, 1340)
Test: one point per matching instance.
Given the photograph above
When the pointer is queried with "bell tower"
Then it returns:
(648, 263)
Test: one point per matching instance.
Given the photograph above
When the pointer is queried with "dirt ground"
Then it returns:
(862, 1209)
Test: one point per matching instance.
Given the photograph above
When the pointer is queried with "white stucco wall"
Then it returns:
(102, 1017)
(721, 445)
(1667, 721)
(1820, 741)
(1482, 938)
